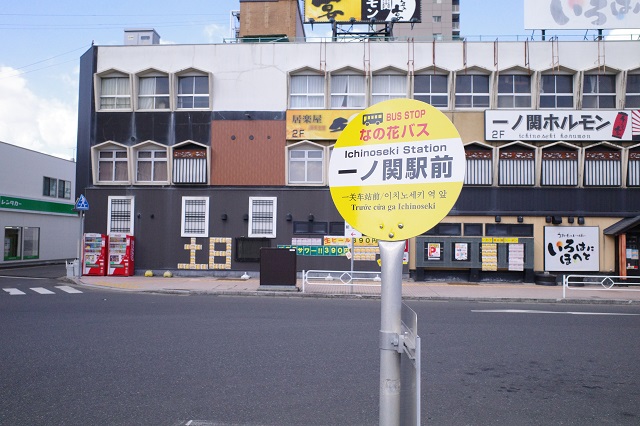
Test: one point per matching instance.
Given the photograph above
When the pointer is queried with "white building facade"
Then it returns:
(37, 218)
(551, 133)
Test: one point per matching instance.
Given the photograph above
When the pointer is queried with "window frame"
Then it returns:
(323, 163)
(634, 95)
(179, 96)
(563, 157)
(154, 148)
(156, 96)
(114, 162)
(273, 216)
(473, 94)
(522, 156)
(101, 97)
(512, 92)
(306, 94)
(555, 95)
(428, 96)
(348, 95)
(608, 154)
(190, 152)
(596, 93)
(110, 212)
(49, 187)
(388, 94)
(203, 217)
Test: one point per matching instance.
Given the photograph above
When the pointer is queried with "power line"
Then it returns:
(53, 57)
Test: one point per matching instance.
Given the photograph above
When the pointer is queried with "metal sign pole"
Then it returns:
(390, 328)
(80, 245)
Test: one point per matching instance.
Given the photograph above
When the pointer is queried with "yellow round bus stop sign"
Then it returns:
(397, 169)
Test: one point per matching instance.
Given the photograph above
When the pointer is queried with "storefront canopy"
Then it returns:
(622, 226)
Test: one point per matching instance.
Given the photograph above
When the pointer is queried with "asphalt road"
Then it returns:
(112, 358)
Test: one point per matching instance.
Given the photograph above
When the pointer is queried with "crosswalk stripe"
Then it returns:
(68, 289)
(13, 291)
(41, 290)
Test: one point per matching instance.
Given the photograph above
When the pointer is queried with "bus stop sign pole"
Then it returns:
(391, 253)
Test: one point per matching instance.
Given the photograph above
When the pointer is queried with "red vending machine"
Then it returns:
(94, 254)
(121, 254)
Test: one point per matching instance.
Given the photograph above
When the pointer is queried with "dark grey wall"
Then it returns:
(158, 241)
(86, 110)
(548, 201)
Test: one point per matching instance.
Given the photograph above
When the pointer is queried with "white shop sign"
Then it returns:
(572, 248)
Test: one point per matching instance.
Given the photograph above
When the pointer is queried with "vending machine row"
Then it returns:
(108, 254)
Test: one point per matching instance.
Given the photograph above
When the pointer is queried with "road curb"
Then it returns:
(289, 294)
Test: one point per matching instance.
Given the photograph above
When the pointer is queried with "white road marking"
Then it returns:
(23, 278)
(41, 290)
(68, 289)
(524, 311)
(13, 291)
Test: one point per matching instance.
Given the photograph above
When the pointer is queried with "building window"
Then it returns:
(195, 217)
(306, 227)
(248, 249)
(56, 188)
(508, 230)
(556, 91)
(473, 229)
(472, 91)
(437, 18)
(431, 89)
(64, 189)
(120, 215)
(479, 166)
(151, 166)
(445, 229)
(632, 99)
(193, 92)
(306, 164)
(347, 91)
(599, 91)
(113, 166)
(514, 91)
(50, 187)
(387, 87)
(517, 166)
(633, 178)
(115, 93)
(262, 217)
(153, 93)
(307, 91)
(559, 167)
(190, 164)
(602, 167)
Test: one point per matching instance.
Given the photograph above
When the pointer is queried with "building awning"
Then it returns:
(622, 226)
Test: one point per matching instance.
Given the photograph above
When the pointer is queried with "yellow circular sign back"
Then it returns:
(397, 169)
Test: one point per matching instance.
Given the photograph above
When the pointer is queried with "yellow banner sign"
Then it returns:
(317, 123)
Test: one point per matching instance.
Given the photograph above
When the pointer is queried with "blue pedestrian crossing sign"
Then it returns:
(82, 203)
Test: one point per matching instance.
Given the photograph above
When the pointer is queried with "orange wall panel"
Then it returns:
(248, 152)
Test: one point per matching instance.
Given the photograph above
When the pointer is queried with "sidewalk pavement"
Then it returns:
(490, 292)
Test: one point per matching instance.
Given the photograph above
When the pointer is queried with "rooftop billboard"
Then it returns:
(581, 14)
(361, 10)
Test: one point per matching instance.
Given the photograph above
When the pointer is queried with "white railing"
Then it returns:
(349, 279)
(598, 283)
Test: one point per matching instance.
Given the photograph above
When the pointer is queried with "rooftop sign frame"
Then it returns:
(580, 15)
(362, 11)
